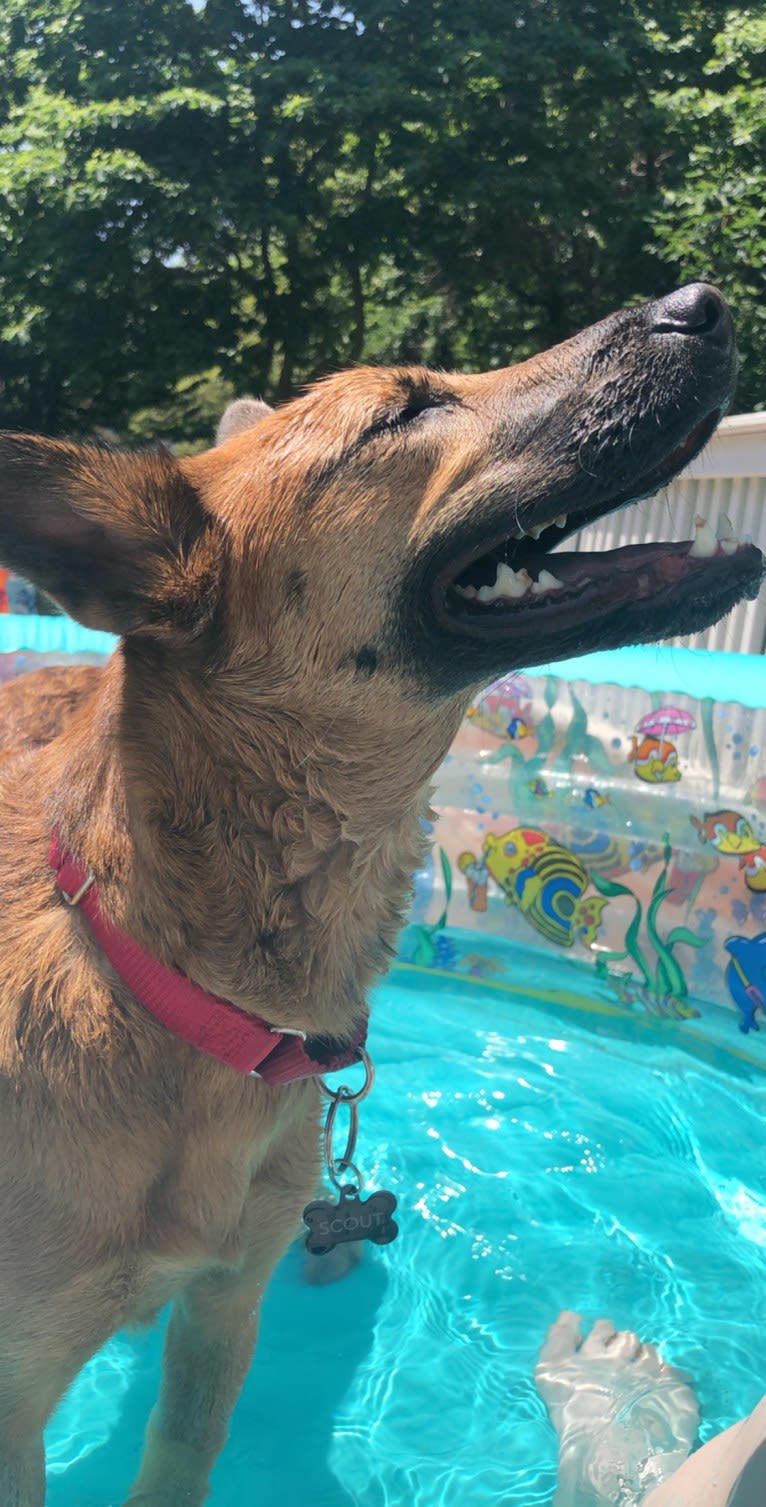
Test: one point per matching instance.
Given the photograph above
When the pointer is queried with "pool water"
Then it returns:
(543, 1159)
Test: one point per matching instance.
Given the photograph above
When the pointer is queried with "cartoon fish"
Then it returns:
(727, 832)
(607, 854)
(540, 789)
(594, 798)
(518, 728)
(547, 883)
(746, 977)
(502, 708)
(476, 878)
(655, 760)
(490, 722)
(754, 865)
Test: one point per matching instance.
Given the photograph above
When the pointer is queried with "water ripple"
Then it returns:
(534, 1171)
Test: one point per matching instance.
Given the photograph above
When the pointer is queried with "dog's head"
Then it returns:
(399, 522)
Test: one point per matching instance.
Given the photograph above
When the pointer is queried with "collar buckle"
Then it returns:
(79, 894)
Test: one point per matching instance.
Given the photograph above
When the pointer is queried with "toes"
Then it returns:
(649, 1361)
(625, 1345)
(600, 1338)
(562, 1339)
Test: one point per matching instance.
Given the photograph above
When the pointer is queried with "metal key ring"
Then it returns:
(333, 1162)
(345, 1095)
(341, 1171)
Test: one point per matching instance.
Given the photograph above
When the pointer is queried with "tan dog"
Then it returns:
(306, 612)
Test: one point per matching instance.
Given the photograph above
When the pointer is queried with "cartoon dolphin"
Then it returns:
(746, 977)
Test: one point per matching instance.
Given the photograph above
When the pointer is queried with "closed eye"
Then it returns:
(417, 405)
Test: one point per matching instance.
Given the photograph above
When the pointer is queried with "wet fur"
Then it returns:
(247, 778)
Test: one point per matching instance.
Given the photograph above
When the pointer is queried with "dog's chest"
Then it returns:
(217, 1200)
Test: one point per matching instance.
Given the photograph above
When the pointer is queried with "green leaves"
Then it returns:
(711, 221)
(246, 196)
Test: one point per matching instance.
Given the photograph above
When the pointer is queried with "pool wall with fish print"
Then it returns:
(610, 810)
(620, 825)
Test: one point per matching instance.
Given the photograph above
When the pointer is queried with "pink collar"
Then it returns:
(213, 1025)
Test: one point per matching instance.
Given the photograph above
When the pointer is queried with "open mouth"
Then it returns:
(519, 579)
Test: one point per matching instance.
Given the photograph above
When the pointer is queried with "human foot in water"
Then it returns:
(625, 1419)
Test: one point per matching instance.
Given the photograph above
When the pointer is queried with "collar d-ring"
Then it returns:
(346, 1095)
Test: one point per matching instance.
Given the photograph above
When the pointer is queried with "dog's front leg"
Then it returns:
(207, 1357)
(22, 1475)
(212, 1334)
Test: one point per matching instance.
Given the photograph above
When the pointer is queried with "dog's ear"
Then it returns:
(120, 540)
(244, 414)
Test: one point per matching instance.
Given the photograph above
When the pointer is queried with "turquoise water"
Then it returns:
(543, 1159)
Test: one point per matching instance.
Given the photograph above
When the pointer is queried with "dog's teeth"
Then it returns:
(509, 584)
(466, 591)
(512, 583)
(728, 543)
(546, 582)
(705, 542)
(523, 581)
(538, 529)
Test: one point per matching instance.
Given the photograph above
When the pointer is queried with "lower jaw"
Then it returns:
(673, 590)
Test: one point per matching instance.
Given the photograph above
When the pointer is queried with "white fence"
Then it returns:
(728, 477)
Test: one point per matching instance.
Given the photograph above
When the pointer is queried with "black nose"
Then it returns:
(697, 309)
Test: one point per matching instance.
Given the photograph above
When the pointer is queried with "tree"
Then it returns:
(198, 199)
(712, 223)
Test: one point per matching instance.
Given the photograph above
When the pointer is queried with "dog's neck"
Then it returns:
(274, 865)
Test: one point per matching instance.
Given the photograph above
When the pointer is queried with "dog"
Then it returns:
(305, 611)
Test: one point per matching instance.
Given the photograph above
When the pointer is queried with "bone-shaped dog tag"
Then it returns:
(351, 1218)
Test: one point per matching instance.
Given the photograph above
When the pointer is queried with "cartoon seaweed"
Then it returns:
(706, 709)
(582, 744)
(427, 943)
(667, 978)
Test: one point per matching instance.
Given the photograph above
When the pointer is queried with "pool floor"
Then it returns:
(542, 1160)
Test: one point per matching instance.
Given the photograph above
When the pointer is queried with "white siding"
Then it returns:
(729, 477)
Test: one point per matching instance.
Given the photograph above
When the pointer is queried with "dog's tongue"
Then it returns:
(633, 570)
(665, 562)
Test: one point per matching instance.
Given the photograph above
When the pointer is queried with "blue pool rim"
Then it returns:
(50, 635)
(701, 673)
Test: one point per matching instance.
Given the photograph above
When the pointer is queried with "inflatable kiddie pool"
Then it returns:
(610, 811)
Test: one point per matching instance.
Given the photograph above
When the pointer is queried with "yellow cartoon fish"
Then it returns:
(595, 798)
(754, 865)
(727, 832)
(655, 760)
(546, 882)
